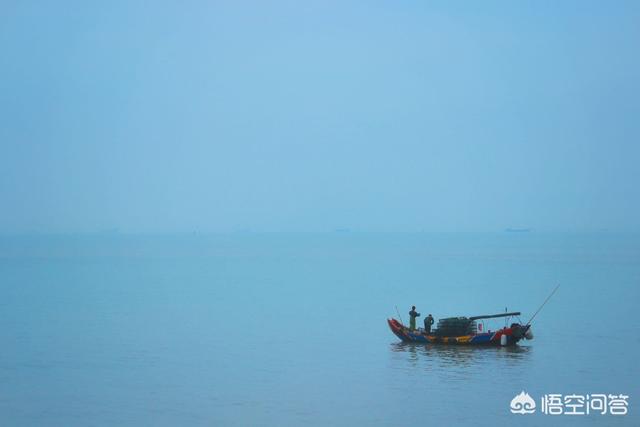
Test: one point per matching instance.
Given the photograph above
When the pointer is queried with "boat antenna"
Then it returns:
(545, 301)
(398, 311)
(506, 319)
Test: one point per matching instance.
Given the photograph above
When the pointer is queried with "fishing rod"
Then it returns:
(398, 311)
(545, 301)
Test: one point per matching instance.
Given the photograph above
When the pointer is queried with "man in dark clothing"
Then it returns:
(428, 321)
(412, 318)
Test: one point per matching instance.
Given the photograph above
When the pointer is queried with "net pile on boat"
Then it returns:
(456, 326)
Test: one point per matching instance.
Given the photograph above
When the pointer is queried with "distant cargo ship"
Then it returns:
(342, 230)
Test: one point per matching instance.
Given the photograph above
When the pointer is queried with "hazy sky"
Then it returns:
(304, 115)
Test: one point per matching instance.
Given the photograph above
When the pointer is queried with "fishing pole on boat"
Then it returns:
(398, 311)
(540, 308)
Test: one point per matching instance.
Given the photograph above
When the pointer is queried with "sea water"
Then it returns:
(290, 329)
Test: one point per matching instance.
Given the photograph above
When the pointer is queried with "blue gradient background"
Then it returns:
(311, 116)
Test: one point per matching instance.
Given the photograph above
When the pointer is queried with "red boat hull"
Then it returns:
(512, 336)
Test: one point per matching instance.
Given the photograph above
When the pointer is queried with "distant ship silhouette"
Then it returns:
(517, 230)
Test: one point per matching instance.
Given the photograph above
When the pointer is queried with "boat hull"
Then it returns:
(487, 338)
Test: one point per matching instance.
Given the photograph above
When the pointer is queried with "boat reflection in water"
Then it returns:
(458, 362)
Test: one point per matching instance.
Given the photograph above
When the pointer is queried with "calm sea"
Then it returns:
(290, 329)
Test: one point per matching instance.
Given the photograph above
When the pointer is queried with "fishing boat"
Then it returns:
(465, 330)
(469, 330)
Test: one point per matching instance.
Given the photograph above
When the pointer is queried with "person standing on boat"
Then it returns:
(428, 321)
(412, 318)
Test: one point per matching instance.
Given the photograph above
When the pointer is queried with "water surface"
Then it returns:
(289, 329)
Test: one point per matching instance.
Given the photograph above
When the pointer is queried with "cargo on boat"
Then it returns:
(464, 330)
